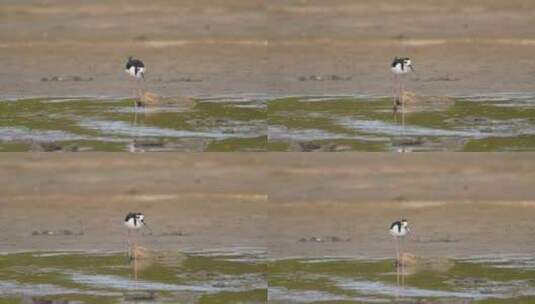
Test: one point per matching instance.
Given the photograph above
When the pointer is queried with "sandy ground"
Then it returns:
(458, 47)
(199, 48)
(458, 204)
(207, 48)
(215, 201)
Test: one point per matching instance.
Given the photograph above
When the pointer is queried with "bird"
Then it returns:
(134, 221)
(399, 229)
(399, 67)
(402, 65)
(136, 69)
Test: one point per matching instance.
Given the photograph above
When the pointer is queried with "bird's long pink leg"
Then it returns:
(135, 257)
(135, 269)
(135, 244)
(397, 261)
(400, 87)
(397, 89)
(401, 250)
(402, 108)
(141, 84)
(394, 94)
(397, 282)
(397, 250)
(401, 263)
(133, 85)
(129, 244)
(401, 254)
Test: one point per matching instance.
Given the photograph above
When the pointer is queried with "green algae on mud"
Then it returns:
(369, 124)
(350, 280)
(108, 278)
(247, 277)
(71, 124)
(284, 124)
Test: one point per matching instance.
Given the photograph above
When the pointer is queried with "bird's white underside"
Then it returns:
(133, 225)
(397, 233)
(132, 72)
(398, 70)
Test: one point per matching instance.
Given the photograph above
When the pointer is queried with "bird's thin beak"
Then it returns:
(145, 224)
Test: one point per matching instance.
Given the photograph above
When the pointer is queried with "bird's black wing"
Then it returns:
(397, 61)
(394, 224)
(129, 216)
(138, 63)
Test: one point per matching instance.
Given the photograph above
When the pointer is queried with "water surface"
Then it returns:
(85, 124)
(501, 122)
(487, 279)
(220, 276)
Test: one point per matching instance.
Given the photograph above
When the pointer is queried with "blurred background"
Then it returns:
(264, 46)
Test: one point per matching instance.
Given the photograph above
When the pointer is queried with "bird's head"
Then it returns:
(405, 223)
(142, 221)
(407, 62)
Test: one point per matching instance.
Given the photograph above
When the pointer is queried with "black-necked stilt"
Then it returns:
(136, 69)
(399, 229)
(134, 221)
(402, 65)
(399, 67)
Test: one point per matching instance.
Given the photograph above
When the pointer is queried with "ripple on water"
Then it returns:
(504, 96)
(131, 130)
(390, 129)
(383, 289)
(239, 98)
(104, 276)
(283, 295)
(504, 261)
(282, 133)
(258, 106)
(9, 288)
(463, 283)
(120, 283)
(236, 254)
(505, 100)
(25, 134)
(149, 110)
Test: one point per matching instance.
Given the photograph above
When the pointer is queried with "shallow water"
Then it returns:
(228, 276)
(502, 122)
(497, 279)
(73, 124)
(245, 275)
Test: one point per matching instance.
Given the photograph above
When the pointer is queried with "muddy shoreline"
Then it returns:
(458, 204)
(213, 48)
(189, 205)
